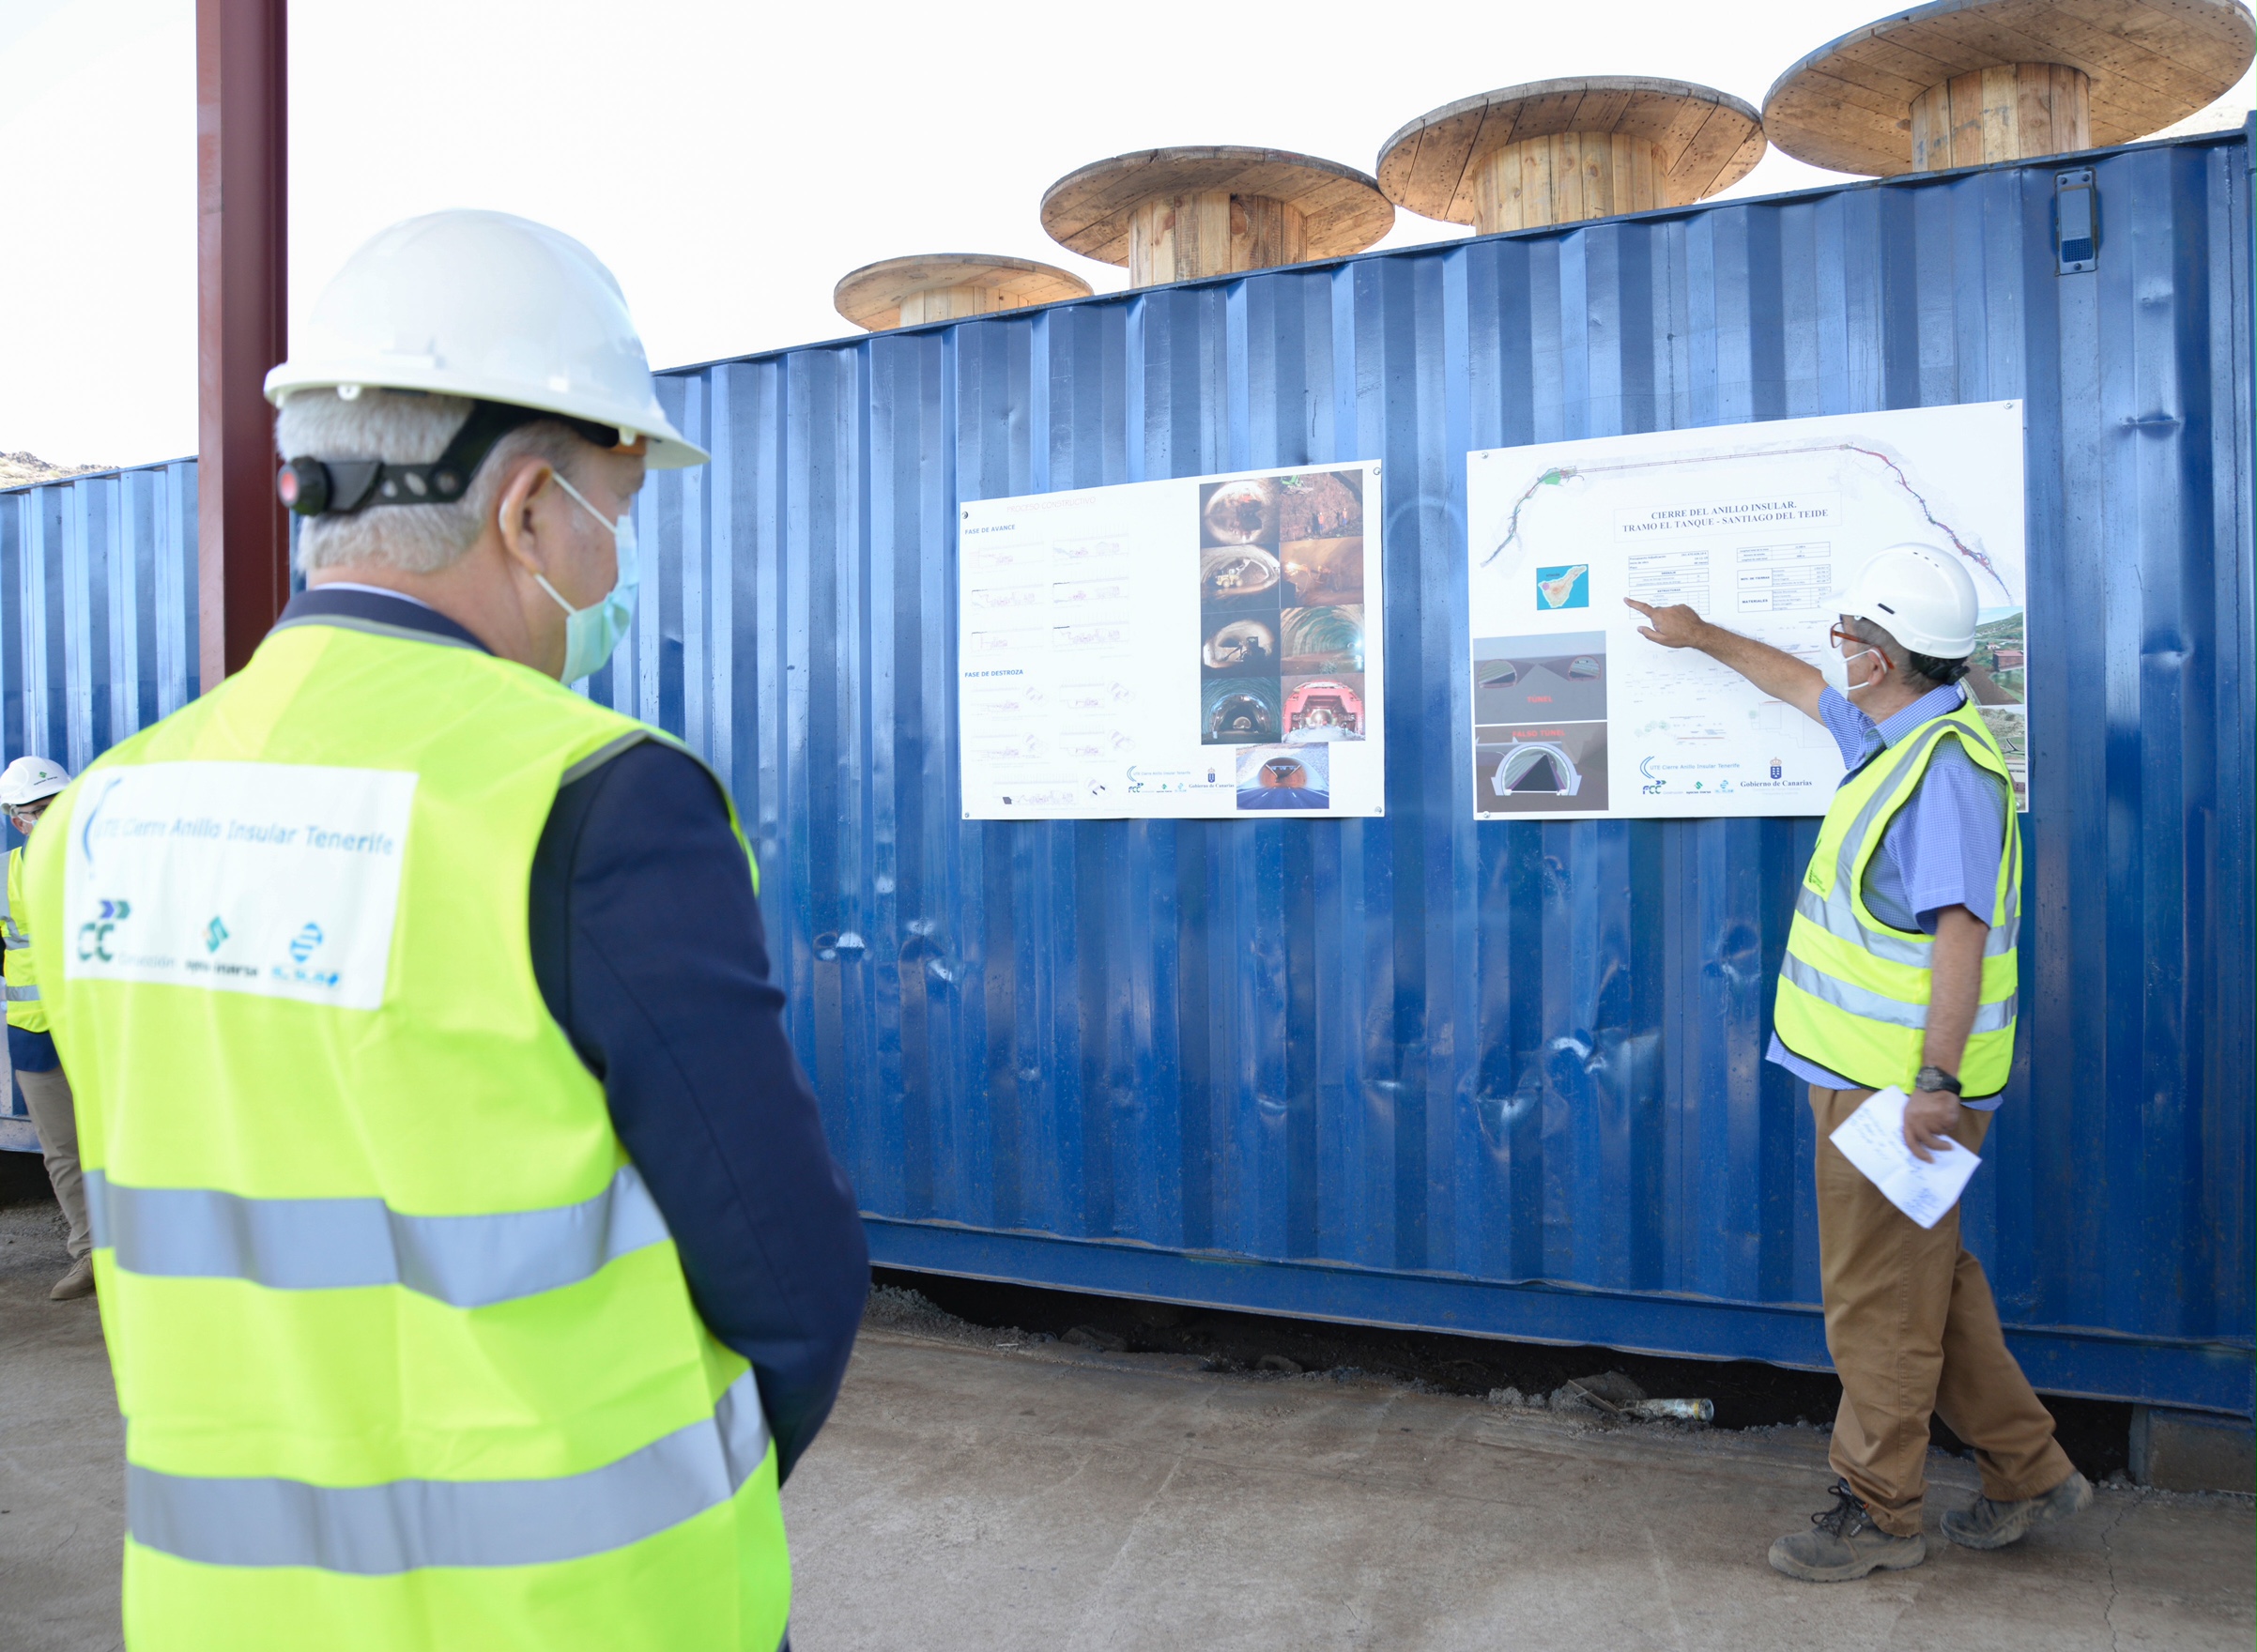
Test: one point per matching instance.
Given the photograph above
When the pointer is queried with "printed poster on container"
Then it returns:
(1757, 525)
(1206, 647)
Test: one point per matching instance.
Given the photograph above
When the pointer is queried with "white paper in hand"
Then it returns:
(1872, 1138)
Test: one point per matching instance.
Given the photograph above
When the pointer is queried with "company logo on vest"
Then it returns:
(276, 879)
(94, 934)
(303, 945)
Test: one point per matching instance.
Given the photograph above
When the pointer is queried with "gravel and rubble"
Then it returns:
(1745, 1396)
(1600, 1400)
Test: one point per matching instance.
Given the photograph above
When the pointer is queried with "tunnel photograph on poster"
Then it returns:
(1206, 648)
(1757, 526)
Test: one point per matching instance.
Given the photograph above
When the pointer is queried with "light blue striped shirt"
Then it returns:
(1940, 850)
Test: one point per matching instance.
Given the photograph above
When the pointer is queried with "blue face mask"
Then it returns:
(592, 633)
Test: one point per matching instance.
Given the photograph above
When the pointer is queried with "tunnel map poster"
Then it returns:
(1757, 525)
(1205, 647)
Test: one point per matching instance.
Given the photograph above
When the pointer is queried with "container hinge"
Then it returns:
(2076, 221)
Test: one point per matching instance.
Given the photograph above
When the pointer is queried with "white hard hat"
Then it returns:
(28, 779)
(496, 308)
(1919, 595)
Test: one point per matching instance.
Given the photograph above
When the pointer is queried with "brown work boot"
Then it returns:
(77, 1282)
(1985, 1525)
(1844, 1543)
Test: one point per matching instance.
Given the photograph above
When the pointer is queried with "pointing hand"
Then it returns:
(1676, 626)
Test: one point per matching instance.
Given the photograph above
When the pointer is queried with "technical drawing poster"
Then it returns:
(1757, 525)
(1206, 648)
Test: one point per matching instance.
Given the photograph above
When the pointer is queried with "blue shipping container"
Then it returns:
(1501, 1078)
(97, 626)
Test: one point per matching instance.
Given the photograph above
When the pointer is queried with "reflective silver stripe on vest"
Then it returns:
(1835, 914)
(379, 1531)
(13, 939)
(1995, 1017)
(23, 994)
(338, 1244)
(1875, 1006)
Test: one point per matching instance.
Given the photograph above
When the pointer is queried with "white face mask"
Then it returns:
(1835, 667)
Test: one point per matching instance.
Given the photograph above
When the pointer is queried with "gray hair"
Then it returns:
(402, 427)
(1927, 667)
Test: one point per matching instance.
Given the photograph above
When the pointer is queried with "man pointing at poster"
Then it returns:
(1900, 971)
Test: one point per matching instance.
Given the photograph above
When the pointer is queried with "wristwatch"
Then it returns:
(1935, 1078)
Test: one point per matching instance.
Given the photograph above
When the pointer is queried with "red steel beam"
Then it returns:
(242, 149)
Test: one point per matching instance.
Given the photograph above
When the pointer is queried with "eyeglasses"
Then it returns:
(1839, 633)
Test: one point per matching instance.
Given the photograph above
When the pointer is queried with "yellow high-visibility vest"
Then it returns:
(1854, 992)
(404, 1351)
(25, 1007)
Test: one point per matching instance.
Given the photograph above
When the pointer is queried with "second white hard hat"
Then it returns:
(496, 308)
(1919, 595)
(28, 779)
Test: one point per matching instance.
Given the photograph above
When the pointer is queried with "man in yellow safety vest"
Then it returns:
(472, 1259)
(27, 786)
(1901, 971)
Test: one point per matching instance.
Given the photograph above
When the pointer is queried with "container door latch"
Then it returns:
(2076, 221)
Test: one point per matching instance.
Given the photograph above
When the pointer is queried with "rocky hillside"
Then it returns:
(23, 469)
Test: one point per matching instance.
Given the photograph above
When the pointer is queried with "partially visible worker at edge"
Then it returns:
(1900, 971)
(26, 787)
(472, 1262)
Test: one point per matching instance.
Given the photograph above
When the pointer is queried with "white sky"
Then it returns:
(729, 161)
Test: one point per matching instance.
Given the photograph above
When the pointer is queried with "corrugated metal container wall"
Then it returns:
(98, 625)
(1504, 1078)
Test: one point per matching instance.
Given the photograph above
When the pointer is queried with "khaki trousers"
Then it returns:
(1912, 1329)
(48, 1096)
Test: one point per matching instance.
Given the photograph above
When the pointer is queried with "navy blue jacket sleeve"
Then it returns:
(648, 946)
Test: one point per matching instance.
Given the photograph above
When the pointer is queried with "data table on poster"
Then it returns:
(1757, 526)
(1206, 646)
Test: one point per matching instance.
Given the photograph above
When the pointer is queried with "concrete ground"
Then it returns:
(972, 1493)
(980, 1490)
(62, 1487)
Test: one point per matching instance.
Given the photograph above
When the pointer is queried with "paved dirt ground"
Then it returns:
(62, 1485)
(981, 1489)
(978, 1490)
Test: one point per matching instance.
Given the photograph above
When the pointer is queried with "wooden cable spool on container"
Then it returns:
(948, 286)
(1179, 214)
(1561, 151)
(1964, 83)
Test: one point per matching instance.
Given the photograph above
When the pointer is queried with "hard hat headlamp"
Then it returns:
(340, 487)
